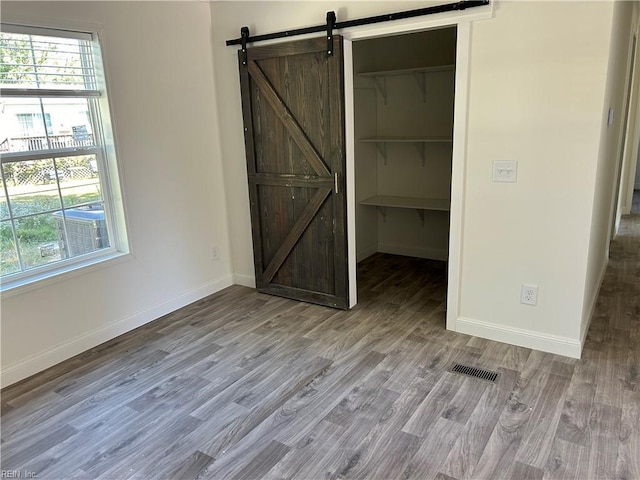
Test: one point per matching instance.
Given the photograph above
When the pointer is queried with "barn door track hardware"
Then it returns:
(331, 24)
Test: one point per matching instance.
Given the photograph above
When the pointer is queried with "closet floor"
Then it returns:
(245, 385)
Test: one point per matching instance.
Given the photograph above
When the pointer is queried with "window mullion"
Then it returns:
(48, 92)
(16, 245)
(94, 119)
(17, 157)
(35, 214)
(64, 213)
(6, 194)
(44, 123)
(107, 203)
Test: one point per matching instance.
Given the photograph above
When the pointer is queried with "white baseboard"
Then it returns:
(586, 319)
(244, 280)
(43, 360)
(568, 347)
(411, 251)
(366, 252)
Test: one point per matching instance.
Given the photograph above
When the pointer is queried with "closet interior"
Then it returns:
(403, 110)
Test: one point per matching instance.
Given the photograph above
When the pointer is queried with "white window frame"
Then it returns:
(105, 154)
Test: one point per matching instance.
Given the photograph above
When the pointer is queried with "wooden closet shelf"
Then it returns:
(407, 71)
(439, 204)
(407, 139)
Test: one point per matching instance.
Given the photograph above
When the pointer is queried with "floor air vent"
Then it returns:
(486, 375)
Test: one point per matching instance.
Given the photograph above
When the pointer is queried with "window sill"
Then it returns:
(24, 285)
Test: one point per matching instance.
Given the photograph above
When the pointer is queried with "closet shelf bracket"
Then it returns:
(381, 86)
(421, 79)
(382, 149)
(383, 213)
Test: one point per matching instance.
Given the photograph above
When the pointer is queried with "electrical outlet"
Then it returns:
(215, 255)
(529, 294)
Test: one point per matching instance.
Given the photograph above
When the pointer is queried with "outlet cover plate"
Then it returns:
(529, 294)
(505, 171)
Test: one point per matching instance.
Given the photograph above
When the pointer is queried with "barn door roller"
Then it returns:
(331, 21)
(244, 35)
(332, 24)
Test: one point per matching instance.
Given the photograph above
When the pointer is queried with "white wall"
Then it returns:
(611, 144)
(537, 89)
(537, 86)
(158, 59)
(630, 165)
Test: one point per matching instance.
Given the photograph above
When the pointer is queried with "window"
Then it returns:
(29, 122)
(59, 182)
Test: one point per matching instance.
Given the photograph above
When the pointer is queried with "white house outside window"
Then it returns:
(59, 189)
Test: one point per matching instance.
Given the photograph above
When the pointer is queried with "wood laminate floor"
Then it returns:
(242, 385)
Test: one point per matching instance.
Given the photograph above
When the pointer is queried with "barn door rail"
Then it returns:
(332, 24)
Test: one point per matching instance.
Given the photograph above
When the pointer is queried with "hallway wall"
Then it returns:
(609, 165)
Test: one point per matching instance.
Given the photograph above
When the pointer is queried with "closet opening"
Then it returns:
(403, 111)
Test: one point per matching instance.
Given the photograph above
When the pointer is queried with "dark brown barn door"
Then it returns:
(293, 108)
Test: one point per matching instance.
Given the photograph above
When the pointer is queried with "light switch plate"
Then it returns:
(505, 171)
